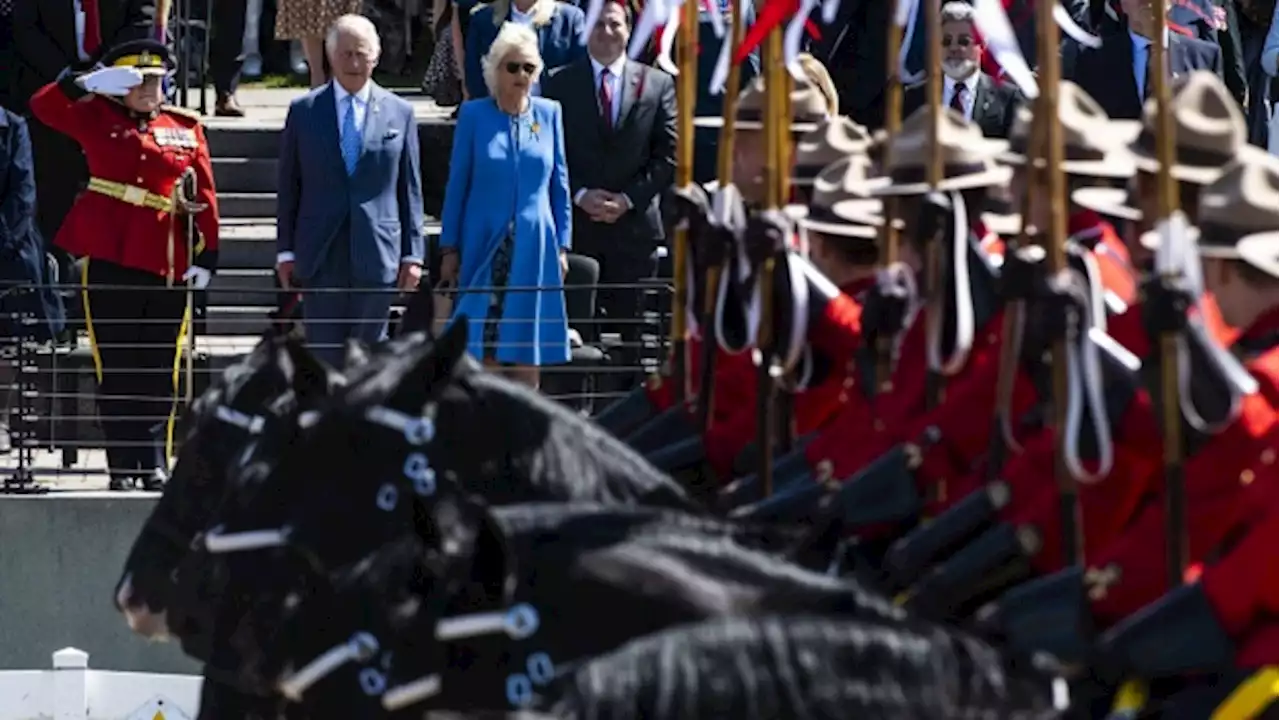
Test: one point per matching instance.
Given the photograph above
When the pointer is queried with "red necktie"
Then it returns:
(606, 99)
(92, 26)
(957, 99)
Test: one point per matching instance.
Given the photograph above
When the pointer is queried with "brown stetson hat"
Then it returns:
(1123, 204)
(840, 204)
(1208, 126)
(835, 139)
(1094, 145)
(968, 158)
(1244, 201)
(808, 108)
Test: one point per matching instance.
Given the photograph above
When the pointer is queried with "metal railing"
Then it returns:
(49, 390)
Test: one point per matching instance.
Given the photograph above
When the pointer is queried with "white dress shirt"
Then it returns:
(616, 69)
(80, 25)
(361, 97)
(970, 92)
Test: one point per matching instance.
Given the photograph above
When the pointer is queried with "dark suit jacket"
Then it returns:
(45, 36)
(636, 157)
(1106, 73)
(994, 106)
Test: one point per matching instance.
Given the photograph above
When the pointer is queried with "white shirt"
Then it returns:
(521, 18)
(361, 98)
(970, 92)
(80, 25)
(615, 85)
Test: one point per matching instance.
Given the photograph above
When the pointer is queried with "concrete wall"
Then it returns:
(60, 557)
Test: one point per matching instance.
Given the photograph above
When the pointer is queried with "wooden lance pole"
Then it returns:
(686, 97)
(724, 174)
(1175, 491)
(1054, 242)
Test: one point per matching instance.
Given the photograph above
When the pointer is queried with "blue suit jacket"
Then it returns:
(22, 255)
(559, 42)
(381, 202)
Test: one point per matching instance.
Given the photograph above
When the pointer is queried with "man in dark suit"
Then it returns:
(966, 89)
(49, 37)
(620, 117)
(1127, 46)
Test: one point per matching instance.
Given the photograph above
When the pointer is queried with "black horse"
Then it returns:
(589, 578)
(806, 667)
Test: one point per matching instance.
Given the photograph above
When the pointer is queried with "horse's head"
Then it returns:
(387, 616)
(224, 419)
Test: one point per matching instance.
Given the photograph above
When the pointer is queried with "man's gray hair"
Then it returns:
(357, 25)
(511, 37)
(956, 11)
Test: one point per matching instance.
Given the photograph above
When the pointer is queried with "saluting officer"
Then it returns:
(130, 226)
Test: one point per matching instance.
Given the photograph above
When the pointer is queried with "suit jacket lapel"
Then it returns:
(630, 85)
(588, 82)
(981, 99)
(327, 116)
(375, 124)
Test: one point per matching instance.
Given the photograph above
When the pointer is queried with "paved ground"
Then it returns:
(267, 107)
(89, 473)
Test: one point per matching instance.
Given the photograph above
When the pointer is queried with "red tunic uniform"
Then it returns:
(836, 335)
(146, 156)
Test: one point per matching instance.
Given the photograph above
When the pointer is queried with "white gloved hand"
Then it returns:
(198, 277)
(113, 81)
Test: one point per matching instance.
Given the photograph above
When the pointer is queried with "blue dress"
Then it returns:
(507, 212)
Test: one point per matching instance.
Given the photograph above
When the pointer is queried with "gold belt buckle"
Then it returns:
(134, 195)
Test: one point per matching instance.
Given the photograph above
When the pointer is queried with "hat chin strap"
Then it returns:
(1084, 373)
(1177, 254)
(962, 300)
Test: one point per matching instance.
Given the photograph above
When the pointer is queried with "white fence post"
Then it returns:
(70, 684)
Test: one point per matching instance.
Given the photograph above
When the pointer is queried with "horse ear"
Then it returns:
(435, 364)
(356, 354)
(310, 376)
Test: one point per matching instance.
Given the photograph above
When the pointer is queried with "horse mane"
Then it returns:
(586, 523)
(818, 668)
(556, 444)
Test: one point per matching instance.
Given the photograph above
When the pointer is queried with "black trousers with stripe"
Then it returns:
(136, 327)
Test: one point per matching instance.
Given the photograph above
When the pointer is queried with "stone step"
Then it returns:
(246, 205)
(251, 242)
(243, 140)
(243, 286)
(226, 320)
(236, 174)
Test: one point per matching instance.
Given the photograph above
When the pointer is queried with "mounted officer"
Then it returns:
(131, 228)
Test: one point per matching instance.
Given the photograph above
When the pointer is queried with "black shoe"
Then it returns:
(121, 483)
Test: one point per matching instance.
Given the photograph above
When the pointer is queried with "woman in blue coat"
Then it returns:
(507, 214)
(24, 269)
(556, 25)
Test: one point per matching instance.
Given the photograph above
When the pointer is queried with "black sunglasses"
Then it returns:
(963, 41)
(515, 67)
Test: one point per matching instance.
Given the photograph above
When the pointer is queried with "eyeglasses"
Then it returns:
(528, 68)
(963, 41)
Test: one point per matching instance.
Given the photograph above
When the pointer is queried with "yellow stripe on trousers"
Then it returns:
(177, 366)
(88, 320)
(1252, 696)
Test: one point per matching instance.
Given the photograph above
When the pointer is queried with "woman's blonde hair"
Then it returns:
(541, 11)
(511, 37)
(818, 77)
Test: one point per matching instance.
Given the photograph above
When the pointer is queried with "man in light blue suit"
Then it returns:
(349, 217)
